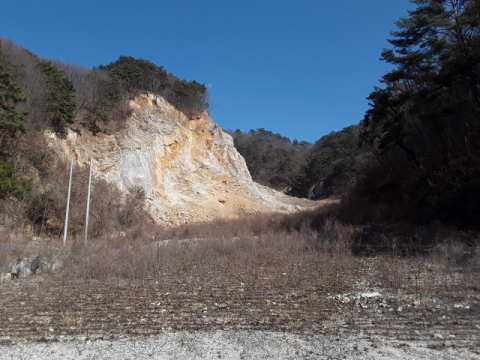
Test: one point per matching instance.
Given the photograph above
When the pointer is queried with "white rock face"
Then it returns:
(189, 169)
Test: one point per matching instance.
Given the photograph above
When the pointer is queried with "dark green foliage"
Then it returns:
(436, 84)
(61, 103)
(23, 67)
(10, 183)
(302, 169)
(271, 158)
(181, 88)
(424, 122)
(133, 74)
(109, 93)
(138, 74)
(190, 97)
(328, 169)
(12, 120)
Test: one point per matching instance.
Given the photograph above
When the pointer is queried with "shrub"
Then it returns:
(10, 183)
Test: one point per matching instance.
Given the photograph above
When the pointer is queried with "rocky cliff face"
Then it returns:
(189, 169)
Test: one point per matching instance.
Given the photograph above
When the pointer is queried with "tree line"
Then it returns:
(300, 169)
(272, 159)
(61, 95)
(416, 154)
(424, 120)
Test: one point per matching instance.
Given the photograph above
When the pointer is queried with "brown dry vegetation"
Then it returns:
(280, 273)
(41, 211)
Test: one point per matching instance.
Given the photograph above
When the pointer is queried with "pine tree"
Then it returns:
(435, 86)
(424, 121)
(11, 183)
(61, 103)
(137, 74)
(11, 119)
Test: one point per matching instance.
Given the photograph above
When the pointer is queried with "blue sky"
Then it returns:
(302, 68)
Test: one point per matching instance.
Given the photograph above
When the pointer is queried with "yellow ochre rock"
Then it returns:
(189, 170)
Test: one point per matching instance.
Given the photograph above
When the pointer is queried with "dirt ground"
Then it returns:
(405, 303)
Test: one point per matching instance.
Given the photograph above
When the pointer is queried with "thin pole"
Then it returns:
(68, 205)
(88, 201)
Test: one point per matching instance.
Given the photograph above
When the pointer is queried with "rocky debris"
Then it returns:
(238, 345)
(189, 170)
(211, 299)
(37, 238)
(24, 272)
(4, 277)
(462, 306)
(375, 300)
(46, 266)
(399, 304)
(363, 300)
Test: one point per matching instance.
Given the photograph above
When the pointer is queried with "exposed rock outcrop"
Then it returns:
(189, 169)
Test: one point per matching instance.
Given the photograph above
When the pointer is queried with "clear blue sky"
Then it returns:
(302, 68)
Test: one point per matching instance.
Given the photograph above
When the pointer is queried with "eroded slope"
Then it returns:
(189, 169)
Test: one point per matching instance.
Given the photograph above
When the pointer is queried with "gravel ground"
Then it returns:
(291, 307)
(234, 345)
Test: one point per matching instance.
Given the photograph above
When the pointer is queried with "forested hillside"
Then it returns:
(272, 159)
(301, 169)
(416, 154)
(329, 169)
(40, 94)
(424, 121)
(57, 94)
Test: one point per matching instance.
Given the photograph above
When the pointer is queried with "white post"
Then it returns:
(88, 201)
(68, 206)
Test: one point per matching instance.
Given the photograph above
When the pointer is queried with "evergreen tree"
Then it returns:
(137, 74)
(182, 89)
(11, 183)
(424, 122)
(133, 74)
(61, 102)
(11, 119)
(435, 87)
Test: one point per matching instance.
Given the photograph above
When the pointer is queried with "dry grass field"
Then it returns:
(244, 276)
